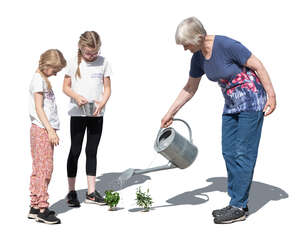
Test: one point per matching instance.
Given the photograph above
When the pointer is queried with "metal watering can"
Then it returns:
(89, 108)
(180, 152)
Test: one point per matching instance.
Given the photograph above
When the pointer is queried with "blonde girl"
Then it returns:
(87, 83)
(43, 137)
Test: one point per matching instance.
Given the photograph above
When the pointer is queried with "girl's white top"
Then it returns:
(90, 85)
(38, 84)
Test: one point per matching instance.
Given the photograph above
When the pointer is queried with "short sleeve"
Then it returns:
(239, 53)
(37, 84)
(69, 68)
(196, 69)
(107, 69)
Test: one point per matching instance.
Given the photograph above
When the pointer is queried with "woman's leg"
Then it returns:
(229, 135)
(42, 167)
(94, 131)
(77, 127)
(247, 142)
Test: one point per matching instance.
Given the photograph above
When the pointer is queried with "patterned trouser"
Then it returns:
(42, 166)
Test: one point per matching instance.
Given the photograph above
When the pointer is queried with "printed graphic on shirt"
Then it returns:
(97, 75)
(243, 93)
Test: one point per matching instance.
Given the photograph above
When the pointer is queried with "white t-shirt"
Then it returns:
(38, 84)
(90, 85)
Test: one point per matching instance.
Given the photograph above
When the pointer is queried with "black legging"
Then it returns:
(78, 125)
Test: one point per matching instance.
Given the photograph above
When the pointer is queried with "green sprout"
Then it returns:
(143, 199)
(111, 198)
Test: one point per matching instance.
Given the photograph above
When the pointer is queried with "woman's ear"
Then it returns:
(201, 38)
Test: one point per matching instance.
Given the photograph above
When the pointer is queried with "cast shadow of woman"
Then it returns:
(104, 182)
(260, 195)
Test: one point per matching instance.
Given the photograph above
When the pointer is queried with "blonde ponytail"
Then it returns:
(78, 63)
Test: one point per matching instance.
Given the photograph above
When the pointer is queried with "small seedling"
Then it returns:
(143, 199)
(112, 199)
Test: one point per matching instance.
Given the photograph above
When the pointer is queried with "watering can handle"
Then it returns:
(189, 128)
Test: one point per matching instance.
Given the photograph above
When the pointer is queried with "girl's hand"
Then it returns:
(270, 105)
(98, 109)
(166, 121)
(53, 138)
(80, 100)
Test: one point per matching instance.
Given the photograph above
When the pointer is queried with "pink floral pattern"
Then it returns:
(42, 166)
(243, 93)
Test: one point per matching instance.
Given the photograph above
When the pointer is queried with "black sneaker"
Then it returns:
(94, 198)
(33, 212)
(230, 216)
(221, 211)
(72, 199)
(47, 217)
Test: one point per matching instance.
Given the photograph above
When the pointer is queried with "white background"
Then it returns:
(149, 71)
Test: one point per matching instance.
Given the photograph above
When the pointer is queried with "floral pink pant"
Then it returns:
(42, 166)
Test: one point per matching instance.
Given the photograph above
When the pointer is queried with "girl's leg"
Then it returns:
(229, 135)
(247, 142)
(94, 131)
(77, 128)
(42, 155)
(91, 180)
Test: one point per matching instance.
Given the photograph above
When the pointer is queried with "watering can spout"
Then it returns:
(154, 169)
(126, 175)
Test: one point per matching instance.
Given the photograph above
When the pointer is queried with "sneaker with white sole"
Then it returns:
(230, 216)
(47, 217)
(94, 198)
(33, 212)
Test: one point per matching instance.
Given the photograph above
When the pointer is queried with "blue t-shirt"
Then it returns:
(240, 86)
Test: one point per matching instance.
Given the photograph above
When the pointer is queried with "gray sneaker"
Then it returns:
(230, 216)
(222, 211)
(94, 198)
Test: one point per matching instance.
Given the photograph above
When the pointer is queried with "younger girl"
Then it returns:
(45, 122)
(87, 80)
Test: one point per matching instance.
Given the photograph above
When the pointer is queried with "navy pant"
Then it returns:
(78, 126)
(240, 139)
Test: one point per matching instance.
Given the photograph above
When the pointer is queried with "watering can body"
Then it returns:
(180, 151)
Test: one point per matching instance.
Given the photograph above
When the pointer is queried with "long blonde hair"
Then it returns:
(89, 39)
(52, 58)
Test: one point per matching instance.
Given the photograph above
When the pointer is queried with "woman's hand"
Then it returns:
(99, 107)
(166, 121)
(80, 100)
(53, 138)
(270, 105)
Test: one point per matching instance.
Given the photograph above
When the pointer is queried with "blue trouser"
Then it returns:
(240, 139)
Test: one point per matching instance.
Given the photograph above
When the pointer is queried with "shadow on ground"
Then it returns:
(104, 182)
(260, 195)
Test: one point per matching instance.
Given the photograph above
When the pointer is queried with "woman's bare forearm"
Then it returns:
(185, 95)
(255, 64)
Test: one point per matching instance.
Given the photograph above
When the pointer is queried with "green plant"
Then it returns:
(143, 199)
(111, 198)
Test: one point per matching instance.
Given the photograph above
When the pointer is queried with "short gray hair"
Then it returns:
(190, 31)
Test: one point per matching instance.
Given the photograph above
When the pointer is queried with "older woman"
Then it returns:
(249, 96)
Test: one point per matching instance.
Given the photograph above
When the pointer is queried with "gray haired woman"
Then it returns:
(249, 96)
